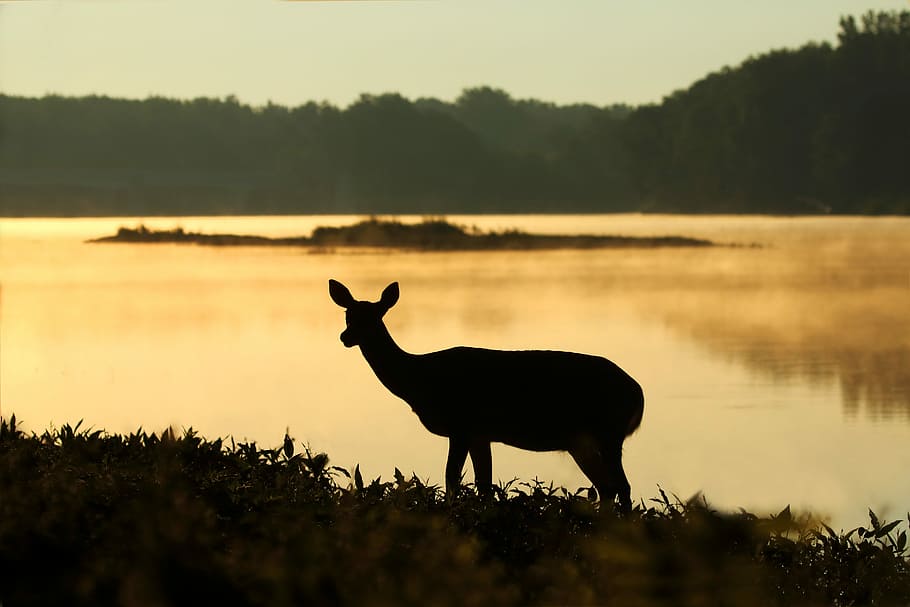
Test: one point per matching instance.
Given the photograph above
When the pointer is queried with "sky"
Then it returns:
(564, 51)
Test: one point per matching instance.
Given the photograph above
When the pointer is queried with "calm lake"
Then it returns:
(773, 375)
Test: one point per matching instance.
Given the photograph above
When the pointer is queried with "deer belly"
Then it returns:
(553, 429)
(536, 435)
(539, 438)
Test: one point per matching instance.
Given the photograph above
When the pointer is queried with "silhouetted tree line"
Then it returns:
(819, 129)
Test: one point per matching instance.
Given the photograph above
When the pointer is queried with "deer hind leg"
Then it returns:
(612, 453)
(602, 464)
(482, 459)
(458, 453)
(588, 458)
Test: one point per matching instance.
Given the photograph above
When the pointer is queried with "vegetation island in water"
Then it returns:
(428, 235)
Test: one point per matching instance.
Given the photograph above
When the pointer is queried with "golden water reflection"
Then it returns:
(823, 300)
(859, 339)
(773, 375)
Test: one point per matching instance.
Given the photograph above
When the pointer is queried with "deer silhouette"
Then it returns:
(537, 400)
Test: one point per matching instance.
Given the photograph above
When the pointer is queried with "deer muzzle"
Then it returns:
(347, 339)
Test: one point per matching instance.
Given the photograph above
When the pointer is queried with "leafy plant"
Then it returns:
(88, 517)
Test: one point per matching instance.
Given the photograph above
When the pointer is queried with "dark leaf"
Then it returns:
(874, 519)
(882, 532)
(785, 514)
(358, 479)
(288, 446)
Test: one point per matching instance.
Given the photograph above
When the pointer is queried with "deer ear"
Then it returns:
(389, 296)
(340, 294)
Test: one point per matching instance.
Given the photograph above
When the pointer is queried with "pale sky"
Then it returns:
(565, 51)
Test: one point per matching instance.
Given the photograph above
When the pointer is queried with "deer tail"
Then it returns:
(638, 411)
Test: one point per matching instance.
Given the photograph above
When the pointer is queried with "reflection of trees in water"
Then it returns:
(879, 380)
(859, 339)
(876, 381)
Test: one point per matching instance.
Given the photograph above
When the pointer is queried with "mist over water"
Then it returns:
(772, 375)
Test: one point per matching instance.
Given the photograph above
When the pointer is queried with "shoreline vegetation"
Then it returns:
(88, 517)
(431, 234)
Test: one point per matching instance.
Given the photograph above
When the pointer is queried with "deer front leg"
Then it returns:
(458, 453)
(482, 458)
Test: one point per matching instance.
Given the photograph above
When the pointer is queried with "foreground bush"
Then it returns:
(162, 519)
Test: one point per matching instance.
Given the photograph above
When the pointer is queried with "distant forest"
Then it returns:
(819, 129)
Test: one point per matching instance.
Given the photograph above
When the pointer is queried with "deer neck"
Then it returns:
(392, 365)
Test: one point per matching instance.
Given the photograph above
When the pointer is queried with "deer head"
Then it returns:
(363, 318)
